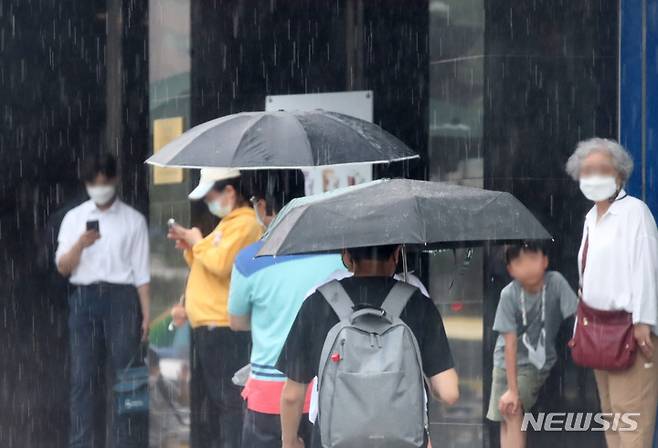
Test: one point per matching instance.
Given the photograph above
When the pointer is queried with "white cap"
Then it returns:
(208, 178)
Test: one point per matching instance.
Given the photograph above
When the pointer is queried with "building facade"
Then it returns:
(493, 94)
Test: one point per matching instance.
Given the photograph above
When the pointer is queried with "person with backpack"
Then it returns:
(371, 341)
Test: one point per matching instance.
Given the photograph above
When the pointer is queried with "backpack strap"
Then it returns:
(338, 299)
(398, 298)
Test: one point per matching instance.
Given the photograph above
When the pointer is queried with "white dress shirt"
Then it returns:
(621, 271)
(120, 256)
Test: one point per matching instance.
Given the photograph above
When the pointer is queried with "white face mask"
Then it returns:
(217, 209)
(101, 194)
(598, 188)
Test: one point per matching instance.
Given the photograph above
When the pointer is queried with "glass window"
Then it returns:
(456, 283)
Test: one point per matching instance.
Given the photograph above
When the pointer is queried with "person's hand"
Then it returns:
(88, 238)
(295, 443)
(185, 238)
(509, 403)
(642, 333)
(145, 327)
(182, 245)
(177, 233)
(193, 236)
(178, 315)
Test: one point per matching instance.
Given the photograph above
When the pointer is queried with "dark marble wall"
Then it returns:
(243, 51)
(514, 85)
(53, 79)
(52, 112)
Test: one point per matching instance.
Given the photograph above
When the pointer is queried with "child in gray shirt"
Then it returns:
(528, 317)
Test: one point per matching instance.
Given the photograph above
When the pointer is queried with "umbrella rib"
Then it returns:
(197, 136)
(244, 133)
(368, 142)
(305, 134)
(417, 207)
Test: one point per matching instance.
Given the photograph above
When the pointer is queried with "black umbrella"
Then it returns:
(296, 139)
(400, 211)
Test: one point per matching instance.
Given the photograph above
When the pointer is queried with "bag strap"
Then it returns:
(140, 351)
(583, 260)
(338, 299)
(398, 298)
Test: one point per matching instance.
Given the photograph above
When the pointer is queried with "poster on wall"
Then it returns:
(358, 104)
(164, 131)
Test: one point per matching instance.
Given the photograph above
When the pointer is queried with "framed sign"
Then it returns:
(164, 131)
(358, 104)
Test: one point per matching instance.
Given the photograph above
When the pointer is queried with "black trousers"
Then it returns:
(264, 430)
(216, 405)
(104, 327)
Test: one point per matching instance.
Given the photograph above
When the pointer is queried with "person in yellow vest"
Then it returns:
(216, 351)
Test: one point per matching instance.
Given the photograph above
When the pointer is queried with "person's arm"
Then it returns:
(141, 269)
(239, 300)
(218, 258)
(144, 292)
(445, 386)
(292, 407)
(644, 291)
(505, 324)
(240, 323)
(299, 365)
(509, 402)
(568, 298)
(438, 365)
(182, 237)
(69, 260)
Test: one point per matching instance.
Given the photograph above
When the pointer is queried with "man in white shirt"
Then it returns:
(103, 249)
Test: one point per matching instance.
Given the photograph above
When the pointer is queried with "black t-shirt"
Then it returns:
(300, 356)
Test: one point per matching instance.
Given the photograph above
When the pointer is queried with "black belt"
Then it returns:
(105, 285)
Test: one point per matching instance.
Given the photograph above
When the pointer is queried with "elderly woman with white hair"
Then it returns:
(618, 264)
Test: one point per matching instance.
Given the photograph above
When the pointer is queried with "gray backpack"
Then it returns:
(370, 378)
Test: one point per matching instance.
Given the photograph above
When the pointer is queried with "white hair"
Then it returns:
(621, 159)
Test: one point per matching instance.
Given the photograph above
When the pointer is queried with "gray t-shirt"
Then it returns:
(561, 302)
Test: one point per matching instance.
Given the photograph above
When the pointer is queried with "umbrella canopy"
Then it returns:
(399, 211)
(282, 140)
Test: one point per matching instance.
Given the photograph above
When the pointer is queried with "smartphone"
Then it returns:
(93, 225)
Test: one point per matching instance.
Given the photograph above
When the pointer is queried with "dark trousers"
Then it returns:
(264, 430)
(216, 405)
(104, 334)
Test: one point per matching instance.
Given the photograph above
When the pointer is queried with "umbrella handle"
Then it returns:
(405, 267)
